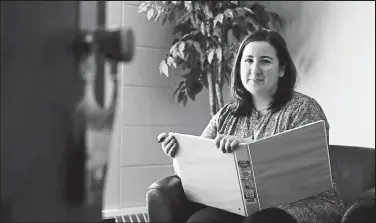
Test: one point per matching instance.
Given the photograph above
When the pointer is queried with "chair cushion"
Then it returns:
(362, 210)
(353, 169)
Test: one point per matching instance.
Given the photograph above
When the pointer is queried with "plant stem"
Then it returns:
(212, 99)
(218, 91)
(219, 85)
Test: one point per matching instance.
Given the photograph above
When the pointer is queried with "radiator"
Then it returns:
(139, 217)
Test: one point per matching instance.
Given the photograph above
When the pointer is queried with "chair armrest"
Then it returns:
(362, 210)
(166, 201)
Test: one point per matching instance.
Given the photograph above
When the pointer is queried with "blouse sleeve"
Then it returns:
(210, 130)
(306, 112)
(216, 122)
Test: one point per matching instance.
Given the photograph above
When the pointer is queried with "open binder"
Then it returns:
(276, 170)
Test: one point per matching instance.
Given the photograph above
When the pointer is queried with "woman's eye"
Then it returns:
(249, 60)
(265, 61)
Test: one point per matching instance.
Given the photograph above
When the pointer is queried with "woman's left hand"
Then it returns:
(228, 143)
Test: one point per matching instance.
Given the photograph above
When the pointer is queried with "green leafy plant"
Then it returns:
(206, 37)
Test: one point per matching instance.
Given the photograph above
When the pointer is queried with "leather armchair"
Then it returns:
(352, 167)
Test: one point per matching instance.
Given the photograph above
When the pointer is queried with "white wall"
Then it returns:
(334, 48)
(147, 108)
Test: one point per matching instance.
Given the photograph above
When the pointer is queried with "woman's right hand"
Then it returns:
(169, 143)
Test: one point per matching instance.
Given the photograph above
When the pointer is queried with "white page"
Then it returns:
(208, 176)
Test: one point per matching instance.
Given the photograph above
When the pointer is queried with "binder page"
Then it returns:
(208, 176)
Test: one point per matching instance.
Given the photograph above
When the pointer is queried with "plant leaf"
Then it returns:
(197, 47)
(173, 49)
(199, 50)
(184, 18)
(189, 35)
(157, 16)
(180, 52)
(218, 18)
(181, 95)
(189, 42)
(187, 75)
(210, 55)
(181, 84)
(208, 12)
(150, 14)
(207, 26)
(181, 47)
(171, 61)
(193, 19)
(229, 13)
(171, 17)
(218, 53)
(189, 85)
(252, 19)
(185, 99)
(275, 23)
(191, 95)
(175, 53)
(188, 5)
(202, 28)
(163, 68)
(143, 6)
(236, 32)
(250, 27)
(262, 15)
(196, 87)
(217, 31)
(164, 19)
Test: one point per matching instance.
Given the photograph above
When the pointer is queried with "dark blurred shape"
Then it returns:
(117, 45)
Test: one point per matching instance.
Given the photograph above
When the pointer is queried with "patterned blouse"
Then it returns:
(300, 110)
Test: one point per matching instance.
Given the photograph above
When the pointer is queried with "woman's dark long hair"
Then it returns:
(242, 99)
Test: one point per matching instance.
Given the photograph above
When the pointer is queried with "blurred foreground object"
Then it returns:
(56, 122)
(93, 124)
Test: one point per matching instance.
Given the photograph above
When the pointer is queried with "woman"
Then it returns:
(265, 103)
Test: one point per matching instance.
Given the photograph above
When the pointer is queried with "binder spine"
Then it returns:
(246, 180)
(254, 178)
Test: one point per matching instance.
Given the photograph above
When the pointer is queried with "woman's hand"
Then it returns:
(228, 143)
(169, 144)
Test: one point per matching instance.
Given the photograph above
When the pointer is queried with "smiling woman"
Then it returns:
(265, 104)
(260, 69)
(264, 74)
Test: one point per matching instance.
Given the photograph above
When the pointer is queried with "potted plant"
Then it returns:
(206, 37)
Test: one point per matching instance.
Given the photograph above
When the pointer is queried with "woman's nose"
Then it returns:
(255, 69)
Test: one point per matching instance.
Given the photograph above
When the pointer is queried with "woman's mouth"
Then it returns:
(256, 81)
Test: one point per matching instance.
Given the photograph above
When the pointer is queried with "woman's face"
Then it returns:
(260, 69)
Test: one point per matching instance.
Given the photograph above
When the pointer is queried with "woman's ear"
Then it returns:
(282, 71)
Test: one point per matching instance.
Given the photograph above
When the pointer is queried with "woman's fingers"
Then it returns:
(173, 149)
(226, 144)
(234, 144)
(218, 139)
(169, 141)
(161, 137)
(222, 144)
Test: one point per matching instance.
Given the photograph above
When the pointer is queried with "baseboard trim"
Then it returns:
(110, 213)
